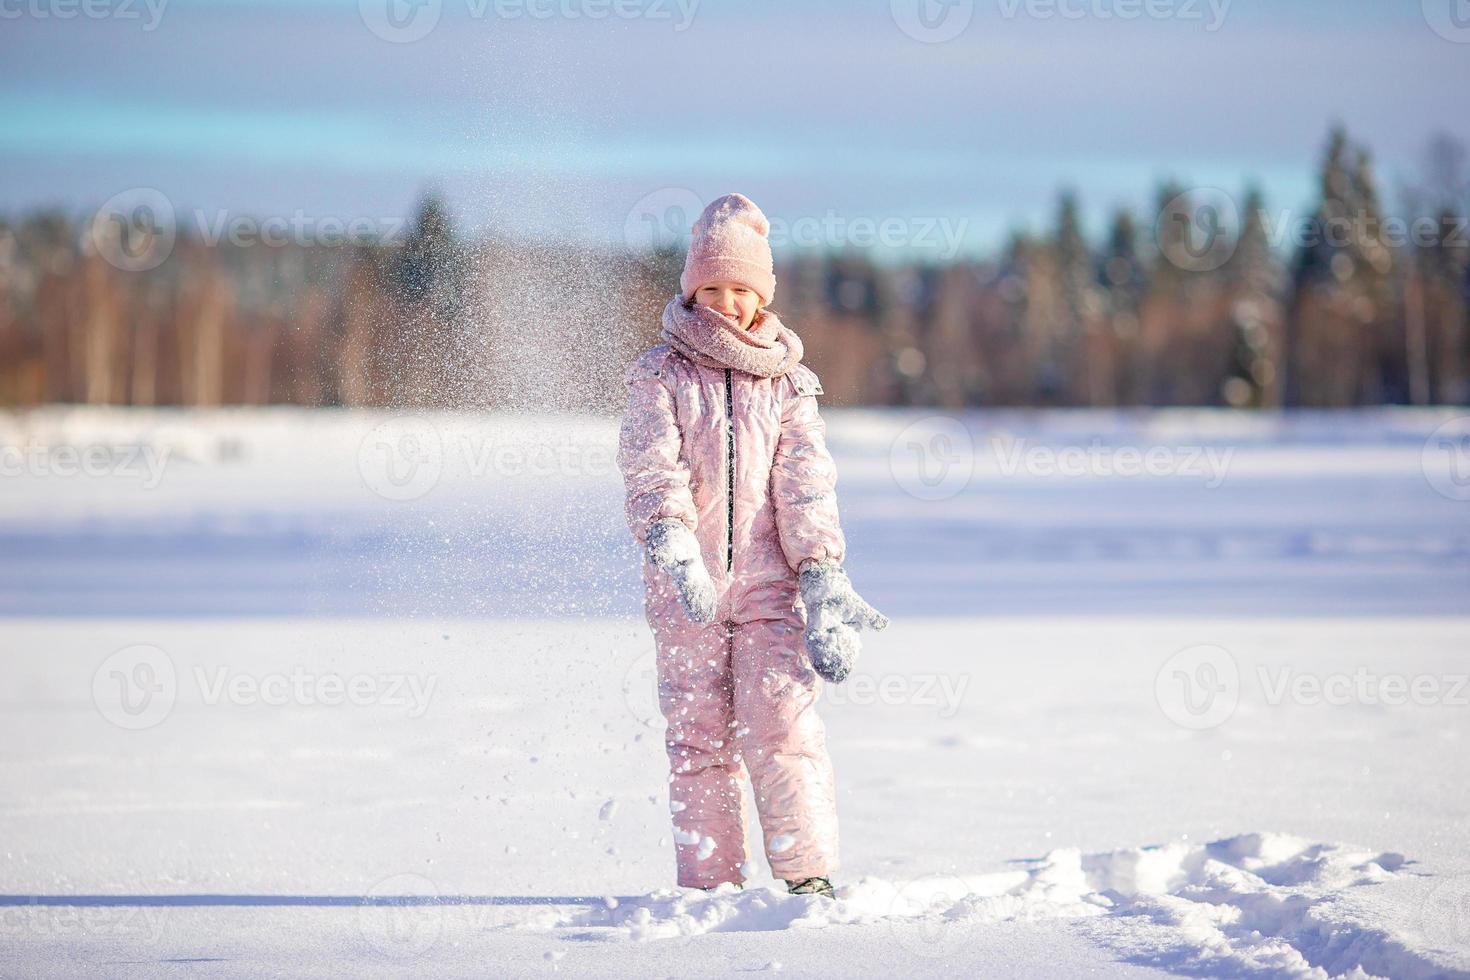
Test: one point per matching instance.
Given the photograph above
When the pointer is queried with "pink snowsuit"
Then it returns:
(743, 462)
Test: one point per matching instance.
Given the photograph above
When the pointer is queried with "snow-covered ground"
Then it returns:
(331, 694)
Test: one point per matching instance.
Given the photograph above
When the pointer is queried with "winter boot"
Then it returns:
(809, 886)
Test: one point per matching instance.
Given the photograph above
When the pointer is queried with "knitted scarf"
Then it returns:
(767, 350)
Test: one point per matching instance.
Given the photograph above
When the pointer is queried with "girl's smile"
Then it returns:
(738, 302)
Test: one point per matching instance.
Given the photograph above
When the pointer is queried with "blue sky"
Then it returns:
(561, 125)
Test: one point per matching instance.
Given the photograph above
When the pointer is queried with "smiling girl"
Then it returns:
(732, 492)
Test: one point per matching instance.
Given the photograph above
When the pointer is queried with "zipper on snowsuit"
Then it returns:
(729, 474)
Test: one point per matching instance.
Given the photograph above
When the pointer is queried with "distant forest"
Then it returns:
(1352, 305)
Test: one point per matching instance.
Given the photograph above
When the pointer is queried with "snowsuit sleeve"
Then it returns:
(804, 477)
(655, 475)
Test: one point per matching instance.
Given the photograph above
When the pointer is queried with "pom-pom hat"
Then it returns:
(731, 244)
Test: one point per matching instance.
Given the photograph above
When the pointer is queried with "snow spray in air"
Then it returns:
(510, 401)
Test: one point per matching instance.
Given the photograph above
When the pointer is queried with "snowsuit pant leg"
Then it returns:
(695, 693)
(744, 693)
(784, 744)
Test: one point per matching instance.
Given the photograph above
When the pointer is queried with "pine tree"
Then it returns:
(1076, 309)
(1343, 307)
(1122, 279)
(431, 256)
(1437, 278)
(1255, 282)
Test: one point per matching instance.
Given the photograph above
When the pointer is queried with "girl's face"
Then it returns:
(735, 301)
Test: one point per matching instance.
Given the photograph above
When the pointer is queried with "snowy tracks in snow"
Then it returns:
(1253, 905)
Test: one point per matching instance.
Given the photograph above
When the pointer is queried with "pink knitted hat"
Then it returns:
(731, 245)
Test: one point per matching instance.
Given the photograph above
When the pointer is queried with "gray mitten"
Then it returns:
(834, 614)
(673, 547)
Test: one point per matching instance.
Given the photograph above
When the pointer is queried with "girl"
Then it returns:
(731, 490)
